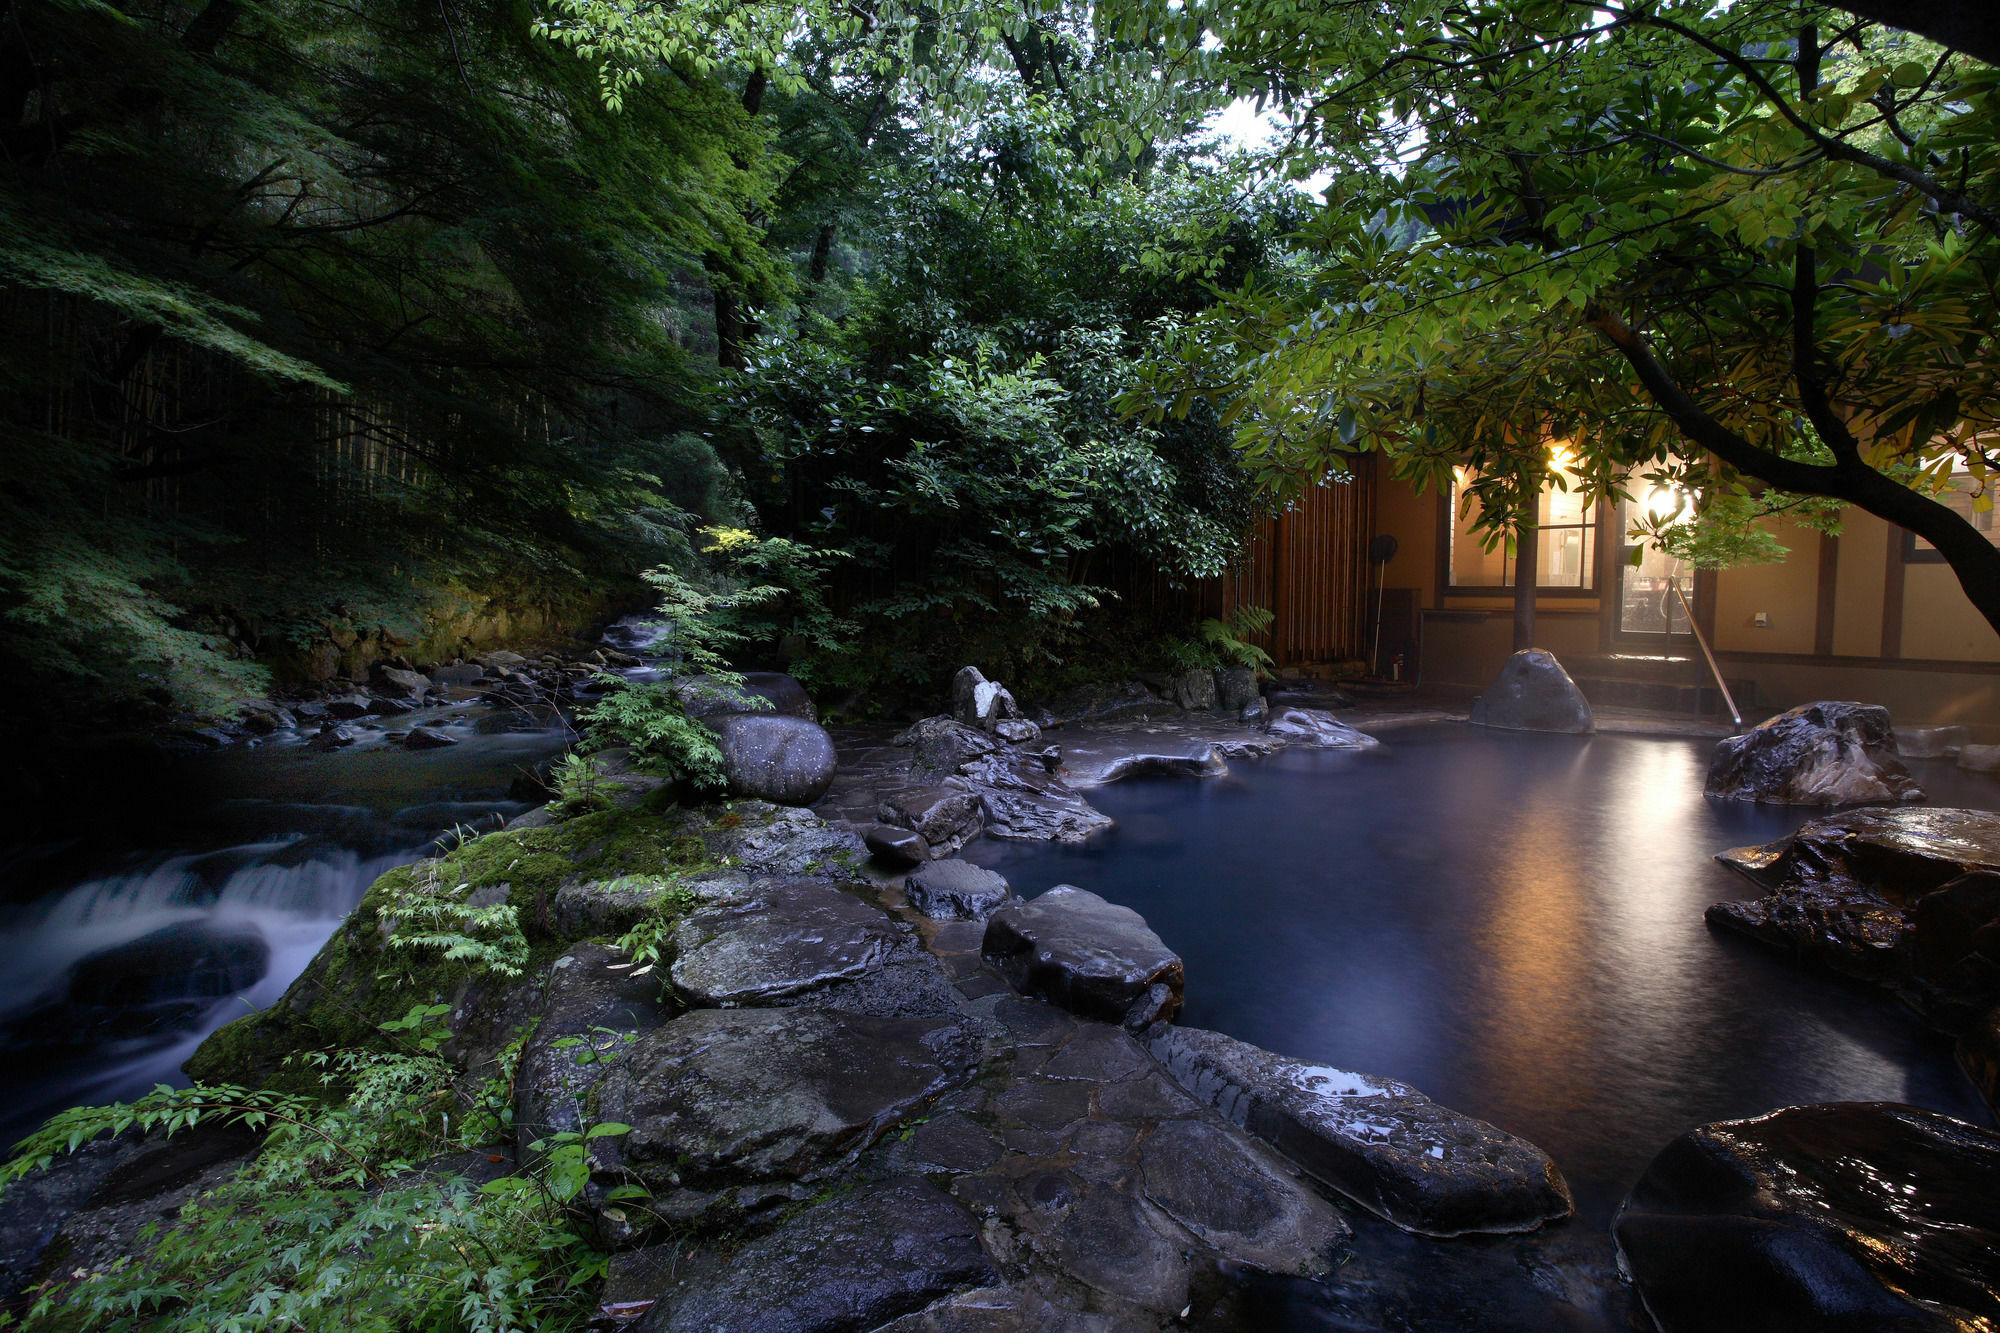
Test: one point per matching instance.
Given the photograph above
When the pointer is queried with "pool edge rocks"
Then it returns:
(1424, 1167)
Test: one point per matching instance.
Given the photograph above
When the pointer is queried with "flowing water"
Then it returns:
(210, 883)
(1511, 923)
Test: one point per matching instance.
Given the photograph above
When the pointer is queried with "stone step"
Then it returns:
(1683, 696)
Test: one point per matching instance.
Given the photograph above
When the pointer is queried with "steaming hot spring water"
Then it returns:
(1511, 923)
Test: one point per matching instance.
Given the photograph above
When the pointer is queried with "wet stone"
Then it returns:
(1853, 1215)
(854, 1262)
(953, 1142)
(1043, 1103)
(1092, 957)
(1101, 1139)
(774, 757)
(1109, 1243)
(730, 1107)
(1383, 1144)
(1099, 1053)
(1827, 753)
(944, 816)
(1237, 1202)
(1148, 1097)
(958, 936)
(789, 937)
(955, 890)
(593, 1008)
(1533, 693)
(896, 846)
(981, 985)
(1317, 728)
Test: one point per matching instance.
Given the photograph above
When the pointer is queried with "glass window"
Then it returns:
(1566, 555)
(1647, 603)
(1958, 497)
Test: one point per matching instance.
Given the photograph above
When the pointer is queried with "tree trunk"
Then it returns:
(1527, 562)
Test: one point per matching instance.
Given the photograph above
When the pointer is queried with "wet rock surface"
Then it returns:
(1828, 753)
(1905, 898)
(944, 816)
(782, 938)
(853, 1262)
(592, 1009)
(955, 890)
(774, 757)
(901, 847)
(1533, 693)
(1022, 800)
(1381, 1143)
(1317, 728)
(1091, 957)
(734, 1111)
(1858, 1215)
(768, 692)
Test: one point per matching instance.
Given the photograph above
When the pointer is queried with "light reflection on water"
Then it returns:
(1511, 923)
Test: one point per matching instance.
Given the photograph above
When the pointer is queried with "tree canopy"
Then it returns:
(1750, 252)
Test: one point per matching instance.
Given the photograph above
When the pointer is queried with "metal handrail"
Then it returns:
(1707, 656)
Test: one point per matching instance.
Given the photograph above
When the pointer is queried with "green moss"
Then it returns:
(356, 982)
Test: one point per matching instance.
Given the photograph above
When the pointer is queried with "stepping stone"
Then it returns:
(944, 816)
(898, 846)
(1091, 957)
(1854, 1215)
(872, 1255)
(789, 936)
(1383, 1144)
(734, 1111)
(1829, 753)
(955, 890)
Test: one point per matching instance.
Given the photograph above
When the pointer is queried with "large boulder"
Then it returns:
(1316, 727)
(775, 757)
(784, 937)
(1828, 753)
(774, 692)
(187, 960)
(871, 1255)
(955, 890)
(1906, 898)
(1383, 1144)
(736, 1111)
(1195, 690)
(1533, 693)
(1091, 957)
(900, 847)
(593, 1007)
(1849, 1216)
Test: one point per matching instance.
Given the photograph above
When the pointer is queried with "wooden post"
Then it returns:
(1527, 559)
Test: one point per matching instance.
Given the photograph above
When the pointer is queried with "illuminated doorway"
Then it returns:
(1649, 612)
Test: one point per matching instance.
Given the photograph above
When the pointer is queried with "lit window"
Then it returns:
(1566, 554)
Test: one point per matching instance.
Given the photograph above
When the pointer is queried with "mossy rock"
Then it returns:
(357, 981)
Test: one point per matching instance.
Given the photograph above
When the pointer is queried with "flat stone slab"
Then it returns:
(787, 937)
(1094, 760)
(1237, 1203)
(945, 816)
(853, 1262)
(1022, 801)
(784, 842)
(737, 1110)
(1091, 957)
(1383, 1144)
(1853, 1215)
(1827, 753)
(955, 890)
(1533, 693)
(1318, 729)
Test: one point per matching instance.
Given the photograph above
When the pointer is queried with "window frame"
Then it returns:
(1592, 526)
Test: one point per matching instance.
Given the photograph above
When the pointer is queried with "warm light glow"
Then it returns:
(1562, 457)
(1669, 505)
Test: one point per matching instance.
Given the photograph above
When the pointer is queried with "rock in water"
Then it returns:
(1383, 1144)
(774, 757)
(423, 738)
(1906, 898)
(1853, 1215)
(897, 846)
(190, 959)
(737, 1110)
(1314, 726)
(1828, 753)
(871, 1255)
(1533, 693)
(955, 890)
(1931, 742)
(783, 938)
(945, 816)
(979, 702)
(1091, 957)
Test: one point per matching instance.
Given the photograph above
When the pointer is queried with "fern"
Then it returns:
(426, 915)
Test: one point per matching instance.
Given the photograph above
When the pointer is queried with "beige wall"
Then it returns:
(1787, 594)
(1939, 622)
(1412, 519)
(1862, 574)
